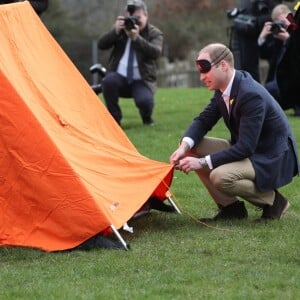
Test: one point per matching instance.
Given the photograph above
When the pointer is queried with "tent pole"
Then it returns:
(173, 204)
(118, 235)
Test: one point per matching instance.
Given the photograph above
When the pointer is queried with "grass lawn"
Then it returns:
(172, 256)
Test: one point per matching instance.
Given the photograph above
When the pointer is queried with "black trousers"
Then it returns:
(115, 86)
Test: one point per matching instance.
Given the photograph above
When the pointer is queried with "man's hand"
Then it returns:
(176, 156)
(189, 164)
(119, 24)
(266, 30)
(179, 153)
(282, 35)
(133, 33)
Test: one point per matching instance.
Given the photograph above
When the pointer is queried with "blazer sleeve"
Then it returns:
(205, 121)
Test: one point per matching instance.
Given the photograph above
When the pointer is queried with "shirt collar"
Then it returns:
(227, 91)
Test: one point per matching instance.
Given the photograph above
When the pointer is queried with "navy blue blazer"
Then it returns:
(259, 131)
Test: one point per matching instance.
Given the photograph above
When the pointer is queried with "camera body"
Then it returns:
(130, 22)
(277, 26)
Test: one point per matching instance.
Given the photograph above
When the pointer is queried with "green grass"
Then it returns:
(171, 256)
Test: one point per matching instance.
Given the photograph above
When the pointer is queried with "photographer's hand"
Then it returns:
(282, 35)
(119, 24)
(133, 33)
(266, 30)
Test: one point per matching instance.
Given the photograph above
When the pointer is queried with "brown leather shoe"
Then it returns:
(236, 210)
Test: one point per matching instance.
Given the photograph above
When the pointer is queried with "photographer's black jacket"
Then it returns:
(271, 50)
(148, 48)
(288, 71)
(259, 7)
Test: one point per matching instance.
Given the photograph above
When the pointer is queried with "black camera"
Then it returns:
(277, 27)
(130, 22)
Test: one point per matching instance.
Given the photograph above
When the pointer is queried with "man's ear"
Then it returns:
(224, 64)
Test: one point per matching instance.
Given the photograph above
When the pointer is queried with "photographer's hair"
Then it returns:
(280, 9)
(219, 52)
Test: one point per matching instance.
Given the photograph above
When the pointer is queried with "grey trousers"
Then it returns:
(227, 182)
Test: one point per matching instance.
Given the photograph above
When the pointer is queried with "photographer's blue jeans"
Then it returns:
(115, 86)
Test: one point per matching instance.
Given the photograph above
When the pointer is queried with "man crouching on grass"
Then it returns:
(261, 155)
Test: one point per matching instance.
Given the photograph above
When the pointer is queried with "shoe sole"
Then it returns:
(285, 209)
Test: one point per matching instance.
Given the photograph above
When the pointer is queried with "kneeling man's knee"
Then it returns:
(220, 179)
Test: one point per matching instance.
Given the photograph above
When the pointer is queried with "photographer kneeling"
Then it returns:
(136, 45)
(272, 41)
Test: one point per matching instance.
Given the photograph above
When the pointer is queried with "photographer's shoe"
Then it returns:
(277, 210)
(236, 210)
(148, 122)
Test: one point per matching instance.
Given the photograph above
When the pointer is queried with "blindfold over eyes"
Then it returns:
(204, 66)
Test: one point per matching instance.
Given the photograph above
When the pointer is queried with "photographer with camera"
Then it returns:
(136, 45)
(248, 20)
(272, 41)
(288, 70)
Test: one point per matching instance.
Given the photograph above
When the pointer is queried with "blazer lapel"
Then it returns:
(234, 90)
(223, 108)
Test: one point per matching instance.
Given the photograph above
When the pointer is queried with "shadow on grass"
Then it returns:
(164, 226)
(176, 224)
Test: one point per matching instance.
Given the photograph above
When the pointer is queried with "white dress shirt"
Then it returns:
(122, 67)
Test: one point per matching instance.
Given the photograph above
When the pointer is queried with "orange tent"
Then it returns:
(67, 169)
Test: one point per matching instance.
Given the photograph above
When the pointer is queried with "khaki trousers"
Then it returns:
(227, 182)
